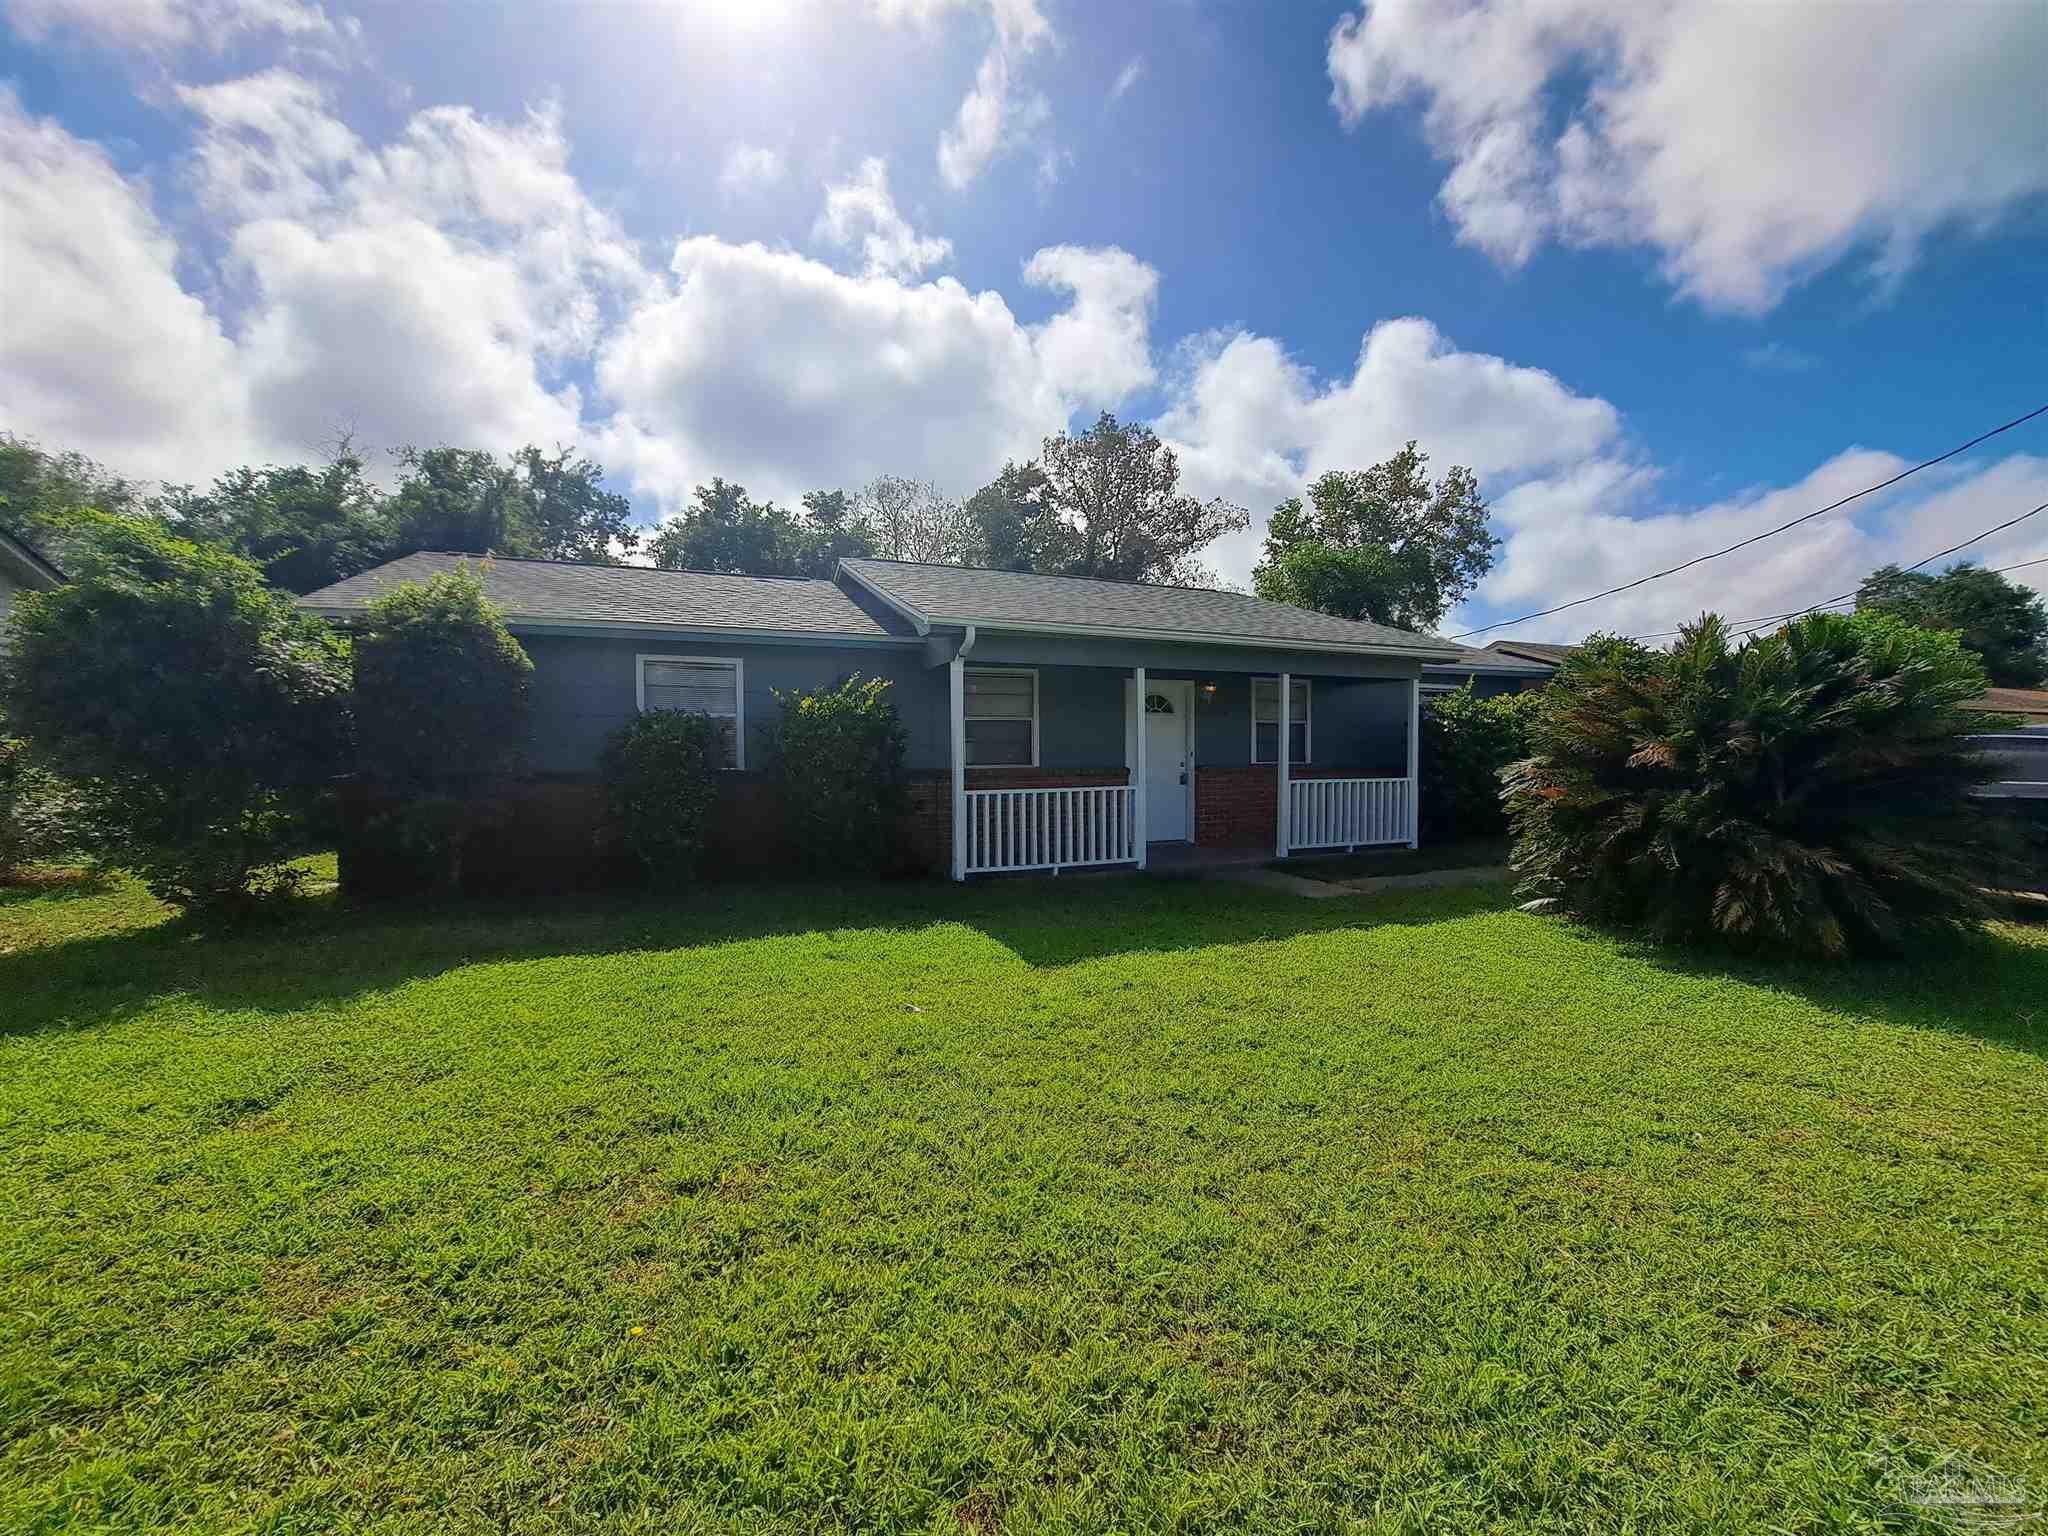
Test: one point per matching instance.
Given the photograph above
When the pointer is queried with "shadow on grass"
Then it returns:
(324, 951)
(51, 884)
(1983, 983)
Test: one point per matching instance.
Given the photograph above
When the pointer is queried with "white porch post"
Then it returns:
(1138, 735)
(957, 670)
(1414, 762)
(1286, 722)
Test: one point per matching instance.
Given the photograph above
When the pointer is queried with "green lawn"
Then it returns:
(1082, 1206)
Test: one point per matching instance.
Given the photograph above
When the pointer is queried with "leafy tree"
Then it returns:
(661, 778)
(42, 493)
(531, 504)
(305, 527)
(727, 530)
(836, 755)
(196, 713)
(1382, 543)
(573, 516)
(2005, 623)
(440, 684)
(1118, 486)
(1013, 524)
(912, 520)
(462, 499)
(1807, 791)
(830, 530)
(1336, 579)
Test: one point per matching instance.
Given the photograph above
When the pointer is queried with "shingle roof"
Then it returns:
(1493, 661)
(1532, 650)
(548, 591)
(952, 594)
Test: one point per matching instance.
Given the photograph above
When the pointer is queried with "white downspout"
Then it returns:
(1415, 761)
(1286, 731)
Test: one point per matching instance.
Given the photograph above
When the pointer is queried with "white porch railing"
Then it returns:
(1013, 829)
(1345, 813)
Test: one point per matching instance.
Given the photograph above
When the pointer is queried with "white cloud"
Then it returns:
(102, 350)
(1127, 77)
(1747, 145)
(991, 117)
(748, 168)
(155, 24)
(1598, 526)
(860, 210)
(771, 368)
(1252, 424)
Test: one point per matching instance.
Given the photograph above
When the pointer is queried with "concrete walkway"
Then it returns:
(1326, 890)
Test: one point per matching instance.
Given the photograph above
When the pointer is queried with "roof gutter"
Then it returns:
(1187, 637)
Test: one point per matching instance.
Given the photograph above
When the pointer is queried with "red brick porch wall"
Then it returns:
(1238, 807)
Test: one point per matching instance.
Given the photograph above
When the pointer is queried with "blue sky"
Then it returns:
(1664, 273)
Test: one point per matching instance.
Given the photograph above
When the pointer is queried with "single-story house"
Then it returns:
(1487, 672)
(1052, 721)
(22, 570)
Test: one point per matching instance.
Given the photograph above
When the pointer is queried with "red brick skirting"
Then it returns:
(1238, 807)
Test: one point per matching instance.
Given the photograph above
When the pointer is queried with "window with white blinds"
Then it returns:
(703, 685)
(1002, 718)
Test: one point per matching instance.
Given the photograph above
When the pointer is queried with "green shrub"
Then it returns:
(1466, 742)
(440, 685)
(661, 776)
(195, 713)
(441, 704)
(1807, 791)
(836, 759)
(35, 810)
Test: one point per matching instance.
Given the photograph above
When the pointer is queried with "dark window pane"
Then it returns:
(998, 743)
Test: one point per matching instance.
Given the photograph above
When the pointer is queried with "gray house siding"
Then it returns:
(584, 687)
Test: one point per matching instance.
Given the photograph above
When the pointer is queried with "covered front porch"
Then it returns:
(1061, 766)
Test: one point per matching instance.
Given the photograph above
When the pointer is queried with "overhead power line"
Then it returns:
(1757, 538)
(1849, 597)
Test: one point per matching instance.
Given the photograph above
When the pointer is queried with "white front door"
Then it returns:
(1167, 766)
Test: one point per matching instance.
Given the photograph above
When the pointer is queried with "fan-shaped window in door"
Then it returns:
(1158, 704)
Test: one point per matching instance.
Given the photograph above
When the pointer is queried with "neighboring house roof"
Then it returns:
(2031, 702)
(1532, 650)
(1491, 663)
(1018, 600)
(557, 593)
(26, 566)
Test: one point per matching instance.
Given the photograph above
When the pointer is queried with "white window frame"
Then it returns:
(739, 696)
(967, 719)
(1308, 715)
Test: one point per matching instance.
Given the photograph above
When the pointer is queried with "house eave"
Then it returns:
(1191, 637)
(613, 630)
